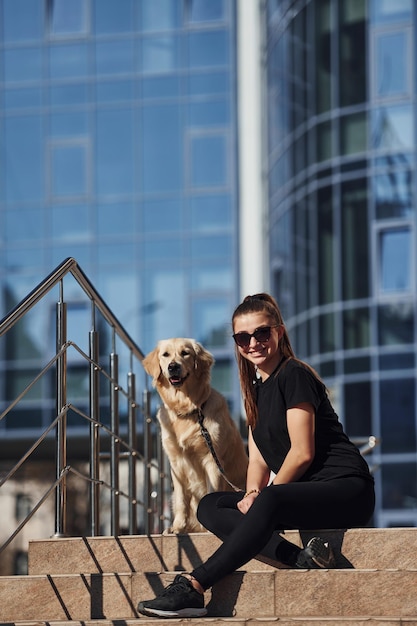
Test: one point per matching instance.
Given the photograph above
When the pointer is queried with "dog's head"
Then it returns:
(174, 361)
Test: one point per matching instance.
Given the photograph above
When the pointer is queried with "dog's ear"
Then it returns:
(203, 360)
(151, 364)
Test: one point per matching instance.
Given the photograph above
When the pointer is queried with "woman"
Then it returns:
(320, 480)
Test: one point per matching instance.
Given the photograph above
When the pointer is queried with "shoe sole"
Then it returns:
(179, 613)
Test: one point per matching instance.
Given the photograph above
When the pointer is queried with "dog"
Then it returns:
(181, 373)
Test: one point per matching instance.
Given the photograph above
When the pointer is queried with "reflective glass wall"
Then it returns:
(341, 106)
(118, 148)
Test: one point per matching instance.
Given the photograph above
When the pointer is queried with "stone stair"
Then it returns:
(98, 581)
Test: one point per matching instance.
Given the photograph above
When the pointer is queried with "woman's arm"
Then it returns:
(300, 423)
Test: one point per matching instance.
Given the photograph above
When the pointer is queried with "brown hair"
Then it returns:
(260, 303)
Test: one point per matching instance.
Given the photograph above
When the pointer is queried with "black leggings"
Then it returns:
(335, 504)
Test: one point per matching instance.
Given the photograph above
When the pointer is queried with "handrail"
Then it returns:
(70, 265)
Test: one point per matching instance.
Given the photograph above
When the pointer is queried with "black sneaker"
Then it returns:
(317, 554)
(179, 599)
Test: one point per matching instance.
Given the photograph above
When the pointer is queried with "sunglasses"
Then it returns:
(261, 334)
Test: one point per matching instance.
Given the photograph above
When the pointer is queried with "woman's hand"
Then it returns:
(246, 502)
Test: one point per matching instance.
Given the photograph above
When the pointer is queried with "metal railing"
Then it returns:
(123, 445)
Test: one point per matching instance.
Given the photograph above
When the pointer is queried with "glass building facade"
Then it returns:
(118, 148)
(341, 98)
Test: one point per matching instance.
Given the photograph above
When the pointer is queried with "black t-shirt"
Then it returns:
(292, 384)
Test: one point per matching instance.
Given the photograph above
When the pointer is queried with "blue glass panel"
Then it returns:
(67, 95)
(395, 260)
(161, 87)
(159, 14)
(211, 213)
(68, 170)
(22, 64)
(209, 113)
(67, 17)
(160, 54)
(114, 57)
(21, 224)
(208, 48)
(22, 20)
(70, 223)
(208, 161)
(162, 215)
(211, 321)
(393, 128)
(214, 247)
(392, 64)
(68, 60)
(115, 91)
(114, 156)
(113, 17)
(116, 219)
(203, 11)
(208, 83)
(68, 124)
(22, 98)
(24, 157)
(162, 148)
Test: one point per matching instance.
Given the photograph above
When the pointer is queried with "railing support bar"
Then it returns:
(61, 429)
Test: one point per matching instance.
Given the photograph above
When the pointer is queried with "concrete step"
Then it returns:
(373, 548)
(270, 596)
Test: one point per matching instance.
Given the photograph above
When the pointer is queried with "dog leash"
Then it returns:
(210, 446)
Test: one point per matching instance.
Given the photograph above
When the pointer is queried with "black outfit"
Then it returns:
(336, 491)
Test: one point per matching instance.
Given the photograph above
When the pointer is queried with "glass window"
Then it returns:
(203, 11)
(388, 11)
(68, 60)
(393, 194)
(393, 128)
(211, 213)
(355, 245)
(159, 14)
(21, 224)
(162, 167)
(162, 215)
(22, 20)
(68, 170)
(116, 219)
(392, 64)
(22, 98)
(353, 134)
(67, 17)
(325, 245)
(160, 53)
(356, 328)
(353, 50)
(399, 486)
(395, 259)
(115, 149)
(24, 158)
(211, 324)
(395, 324)
(357, 409)
(22, 64)
(209, 113)
(208, 161)
(397, 409)
(70, 223)
(114, 57)
(208, 48)
(68, 124)
(113, 17)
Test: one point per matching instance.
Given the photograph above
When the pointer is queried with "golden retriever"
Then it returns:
(180, 370)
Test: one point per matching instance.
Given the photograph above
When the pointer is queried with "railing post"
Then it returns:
(147, 422)
(114, 445)
(94, 436)
(133, 515)
(61, 429)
